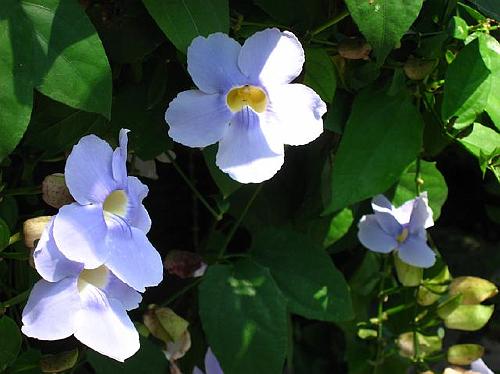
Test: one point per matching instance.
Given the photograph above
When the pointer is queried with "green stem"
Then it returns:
(239, 220)
(339, 17)
(23, 191)
(216, 215)
(16, 299)
(418, 181)
(416, 347)
(380, 315)
(181, 292)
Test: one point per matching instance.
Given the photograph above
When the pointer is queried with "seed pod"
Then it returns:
(55, 192)
(33, 229)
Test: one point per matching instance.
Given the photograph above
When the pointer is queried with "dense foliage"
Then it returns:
(271, 276)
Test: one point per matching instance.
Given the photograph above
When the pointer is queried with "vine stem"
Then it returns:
(339, 17)
(181, 292)
(193, 188)
(380, 314)
(37, 190)
(238, 222)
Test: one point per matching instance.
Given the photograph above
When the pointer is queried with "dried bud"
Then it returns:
(178, 348)
(464, 354)
(33, 229)
(426, 344)
(164, 324)
(473, 289)
(184, 264)
(55, 192)
(417, 69)
(354, 49)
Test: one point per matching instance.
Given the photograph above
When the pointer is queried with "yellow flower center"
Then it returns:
(97, 277)
(240, 97)
(402, 237)
(116, 203)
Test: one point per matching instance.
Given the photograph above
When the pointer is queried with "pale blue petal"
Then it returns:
(421, 215)
(137, 214)
(196, 370)
(197, 119)
(120, 159)
(251, 150)
(403, 213)
(51, 310)
(79, 232)
(213, 63)
(103, 325)
(50, 262)
(126, 295)
(271, 57)
(415, 251)
(212, 366)
(88, 171)
(372, 236)
(384, 214)
(380, 203)
(479, 366)
(132, 257)
(297, 110)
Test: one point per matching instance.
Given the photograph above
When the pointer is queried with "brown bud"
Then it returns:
(33, 229)
(354, 49)
(184, 264)
(417, 69)
(55, 192)
(473, 289)
(164, 324)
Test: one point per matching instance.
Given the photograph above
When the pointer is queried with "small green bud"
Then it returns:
(426, 344)
(464, 354)
(408, 275)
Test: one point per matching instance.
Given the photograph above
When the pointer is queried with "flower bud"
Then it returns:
(354, 49)
(417, 69)
(33, 229)
(469, 317)
(464, 354)
(473, 289)
(59, 362)
(178, 348)
(408, 275)
(184, 264)
(55, 192)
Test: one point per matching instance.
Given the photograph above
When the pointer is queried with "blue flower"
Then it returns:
(90, 304)
(246, 103)
(480, 367)
(399, 229)
(212, 366)
(108, 222)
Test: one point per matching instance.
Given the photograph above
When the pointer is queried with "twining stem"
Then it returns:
(217, 215)
(380, 315)
(16, 299)
(238, 221)
(37, 190)
(418, 181)
(416, 344)
(339, 17)
(181, 292)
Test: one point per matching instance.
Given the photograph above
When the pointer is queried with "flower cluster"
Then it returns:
(399, 229)
(245, 102)
(94, 256)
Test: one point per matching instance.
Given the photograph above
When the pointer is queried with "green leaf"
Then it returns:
(339, 226)
(226, 185)
(320, 73)
(16, 86)
(488, 7)
(148, 353)
(183, 20)
(4, 235)
(434, 184)
(305, 274)
(471, 81)
(459, 28)
(70, 62)
(375, 148)
(482, 139)
(383, 22)
(243, 314)
(10, 341)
